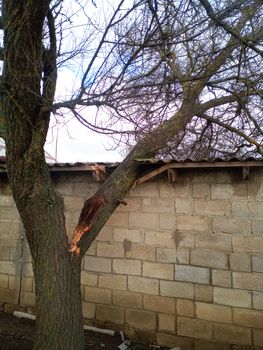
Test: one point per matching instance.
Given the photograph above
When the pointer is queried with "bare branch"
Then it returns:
(233, 32)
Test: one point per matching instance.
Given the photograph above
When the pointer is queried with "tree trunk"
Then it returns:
(59, 306)
(56, 270)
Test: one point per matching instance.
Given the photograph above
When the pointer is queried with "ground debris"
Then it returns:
(18, 334)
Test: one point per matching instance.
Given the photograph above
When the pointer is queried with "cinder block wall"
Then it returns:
(181, 264)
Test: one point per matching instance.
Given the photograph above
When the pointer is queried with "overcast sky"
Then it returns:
(74, 141)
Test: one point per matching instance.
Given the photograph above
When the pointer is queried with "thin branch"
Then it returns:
(232, 129)
(217, 20)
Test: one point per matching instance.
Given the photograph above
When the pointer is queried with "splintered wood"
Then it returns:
(90, 211)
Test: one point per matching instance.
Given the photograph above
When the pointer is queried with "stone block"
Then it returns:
(110, 250)
(73, 203)
(146, 189)
(240, 189)
(211, 345)
(85, 187)
(178, 190)
(213, 241)
(211, 207)
(232, 297)
(239, 208)
(120, 235)
(201, 190)
(167, 221)
(232, 334)
(257, 262)
(213, 313)
(111, 281)
(6, 201)
(190, 327)
(167, 189)
(133, 204)
(64, 188)
(158, 270)
(14, 281)
(119, 219)
(143, 285)
(141, 319)
(3, 280)
(27, 283)
(192, 274)
(97, 264)
(185, 308)
(209, 258)
(88, 310)
(97, 295)
(183, 206)
(257, 298)
(4, 253)
(257, 227)
(10, 214)
(184, 239)
(72, 218)
(233, 226)
(173, 255)
(258, 337)
(89, 279)
(127, 299)
(4, 186)
(160, 238)
(203, 293)
(221, 191)
(249, 281)
(9, 232)
(7, 296)
(177, 289)
(222, 278)
(256, 210)
(109, 313)
(7, 267)
(247, 244)
(157, 205)
(140, 252)
(166, 323)
(92, 249)
(10, 308)
(28, 298)
(170, 340)
(106, 234)
(248, 318)
(159, 304)
(143, 220)
(218, 176)
(193, 223)
(240, 262)
(255, 191)
(127, 266)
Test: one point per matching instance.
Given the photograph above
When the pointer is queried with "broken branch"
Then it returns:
(90, 211)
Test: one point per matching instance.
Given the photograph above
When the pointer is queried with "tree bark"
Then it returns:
(25, 105)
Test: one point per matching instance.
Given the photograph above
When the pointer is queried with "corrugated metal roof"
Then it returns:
(201, 160)
(173, 163)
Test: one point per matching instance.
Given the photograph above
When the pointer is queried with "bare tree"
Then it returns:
(162, 70)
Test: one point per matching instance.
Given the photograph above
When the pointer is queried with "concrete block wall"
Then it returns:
(179, 265)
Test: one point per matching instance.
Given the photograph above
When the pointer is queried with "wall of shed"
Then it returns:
(180, 265)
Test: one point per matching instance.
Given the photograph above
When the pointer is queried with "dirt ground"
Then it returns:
(18, 334)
